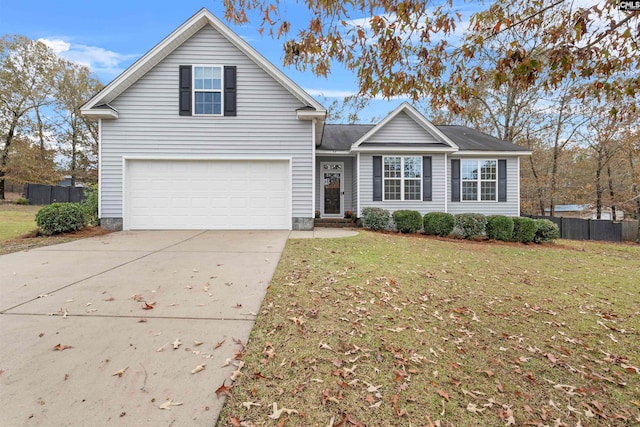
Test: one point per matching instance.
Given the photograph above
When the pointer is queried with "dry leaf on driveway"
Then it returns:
(120, 372)
(61, 347)
(169, 403)
(198, 368)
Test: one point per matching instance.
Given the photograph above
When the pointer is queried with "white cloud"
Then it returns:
(99, 60)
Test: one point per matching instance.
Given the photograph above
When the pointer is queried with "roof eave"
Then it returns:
(403, 149)
(101, 113)
(463, 153)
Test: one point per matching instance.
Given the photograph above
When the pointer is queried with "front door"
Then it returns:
(332, 191)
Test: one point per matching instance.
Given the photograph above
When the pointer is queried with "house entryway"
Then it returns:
(332, 189)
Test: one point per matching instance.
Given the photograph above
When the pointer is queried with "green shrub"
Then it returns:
(469, 225)
(90, 205)
(524, 229)
(407, 221)
(499, 227)
(375, 218)
(22, 201)
(439, 223)
(60, 218)
(547, 231)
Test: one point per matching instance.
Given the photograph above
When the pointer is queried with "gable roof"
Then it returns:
(340, 137)
(160, 51)
(410, 111)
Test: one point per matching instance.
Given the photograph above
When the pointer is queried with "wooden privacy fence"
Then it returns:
(594, 229)
(40, 194)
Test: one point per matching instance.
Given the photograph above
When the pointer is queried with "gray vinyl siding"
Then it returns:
(509, 208)
(348, 181)
(402, 129)
(149, 124)
(438, 185)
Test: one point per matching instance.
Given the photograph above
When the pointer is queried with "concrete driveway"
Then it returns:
(205, 288)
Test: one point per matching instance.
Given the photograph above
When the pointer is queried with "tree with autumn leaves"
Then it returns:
(523, 71)
(40, 121)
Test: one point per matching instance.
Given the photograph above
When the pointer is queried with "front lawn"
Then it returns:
(391, 330)
(16, 220)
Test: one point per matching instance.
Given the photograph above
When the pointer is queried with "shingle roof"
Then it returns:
(339, 137)
(470, 139)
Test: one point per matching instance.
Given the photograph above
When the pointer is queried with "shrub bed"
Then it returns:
(439, 223)
(470, 225)
(547, 231)
(375, 218)
(524, 229)
(60, 218)
(407, 221)
(499, 227)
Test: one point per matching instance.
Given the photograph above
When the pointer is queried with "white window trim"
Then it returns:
(402, 179)
(478, 182)
(194, 90)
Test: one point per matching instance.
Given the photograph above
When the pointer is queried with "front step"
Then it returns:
(333, 222)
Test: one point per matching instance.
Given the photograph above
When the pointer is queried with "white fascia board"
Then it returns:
(403, 149)
(491, 153)
(101, 113)
(311, 114)
(179, 36)
(334, 153)
(416, 116)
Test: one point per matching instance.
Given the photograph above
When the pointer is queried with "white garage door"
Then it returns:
(220, 194)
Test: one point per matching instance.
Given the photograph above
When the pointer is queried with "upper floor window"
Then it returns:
(207, 90)
(402, 177)
(479, 180)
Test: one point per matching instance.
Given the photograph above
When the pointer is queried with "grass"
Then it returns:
(16, 220)
(390, 330)
(18, 230)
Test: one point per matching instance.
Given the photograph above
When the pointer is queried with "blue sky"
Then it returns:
(108, 37)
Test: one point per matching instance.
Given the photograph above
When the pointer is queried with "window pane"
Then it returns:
(488, 169)
(469, 169)
(488, 190)
(198, 72)
(412, 189)
(217, 79)
(412, 167)
(392, 189)
(469, 190)
(392, 167)
(217, 103)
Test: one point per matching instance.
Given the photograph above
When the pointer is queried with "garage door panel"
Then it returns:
(168, 194)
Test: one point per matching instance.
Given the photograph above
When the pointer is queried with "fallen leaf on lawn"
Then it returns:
(325, 346)
(248, 405)
(472, 407)
(511, 421)
(277, 412)
(376, 405)
(223, 389)
(444, 394)
(235, 422)
(235, 374)
(61, 347)
(198, 368)
(177, 343)
(630, 369)
(120, 372)
(169, 403)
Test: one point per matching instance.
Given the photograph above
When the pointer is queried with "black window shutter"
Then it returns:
(377, 178)
(230, 96)
(185, 90)
(455, 180)
(426, 179)
(502, 180)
